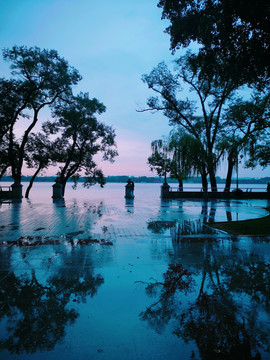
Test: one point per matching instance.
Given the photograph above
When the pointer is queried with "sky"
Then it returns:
(112, 43)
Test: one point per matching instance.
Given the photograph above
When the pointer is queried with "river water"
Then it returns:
(97, 276)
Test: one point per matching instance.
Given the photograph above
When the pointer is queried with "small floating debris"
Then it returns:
(46, 240)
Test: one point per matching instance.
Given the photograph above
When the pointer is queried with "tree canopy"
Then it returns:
(234, 36)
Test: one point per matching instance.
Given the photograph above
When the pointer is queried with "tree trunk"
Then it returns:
(165, 178)
(17, 166)
(180, 181)
(3, 171)
(231, 163)
(229, 215)
(63, 183)
(213, 180)
(202, 284)
(204, 184)
(32, 181)
(17, 177)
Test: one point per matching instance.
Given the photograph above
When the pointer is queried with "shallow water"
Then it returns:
(99, 277)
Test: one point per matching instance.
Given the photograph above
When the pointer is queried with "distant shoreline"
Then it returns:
(146, 179)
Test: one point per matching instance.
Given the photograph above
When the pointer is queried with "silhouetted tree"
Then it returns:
(212, 97)
(233, 37)
(180, 155)
(233, 45)
(160, 160)
(12, 101)
(84, 136)
(249, 119)
(42, 78)
(188, 158)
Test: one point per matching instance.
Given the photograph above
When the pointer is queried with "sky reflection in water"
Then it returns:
(100, 277)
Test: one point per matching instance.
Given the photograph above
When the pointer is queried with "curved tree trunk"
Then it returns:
(31, 182)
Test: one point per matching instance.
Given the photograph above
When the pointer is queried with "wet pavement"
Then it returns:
(100, 277)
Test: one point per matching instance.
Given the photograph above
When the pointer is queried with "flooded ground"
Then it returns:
(96, 276)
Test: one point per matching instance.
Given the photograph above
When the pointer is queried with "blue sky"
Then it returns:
(111, 43)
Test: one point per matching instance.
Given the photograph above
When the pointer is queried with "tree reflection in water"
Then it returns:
(226, 313)
(35, 315)
(178, 229)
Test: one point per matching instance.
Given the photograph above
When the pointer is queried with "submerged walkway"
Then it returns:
(99, 220)
(74, 275)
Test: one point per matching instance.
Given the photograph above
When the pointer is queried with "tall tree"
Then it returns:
(85, 136)
(203, 123)
(42, 78)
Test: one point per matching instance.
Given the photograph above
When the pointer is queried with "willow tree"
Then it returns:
(181, 156)
(188, 158)
(160, 160)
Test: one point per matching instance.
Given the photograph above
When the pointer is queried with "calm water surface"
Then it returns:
(96, 276)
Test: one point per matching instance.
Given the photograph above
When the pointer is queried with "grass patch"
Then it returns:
(259, 226)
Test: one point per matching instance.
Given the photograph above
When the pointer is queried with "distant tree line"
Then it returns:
(144, 179)
(41, 79)
(226, 115)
